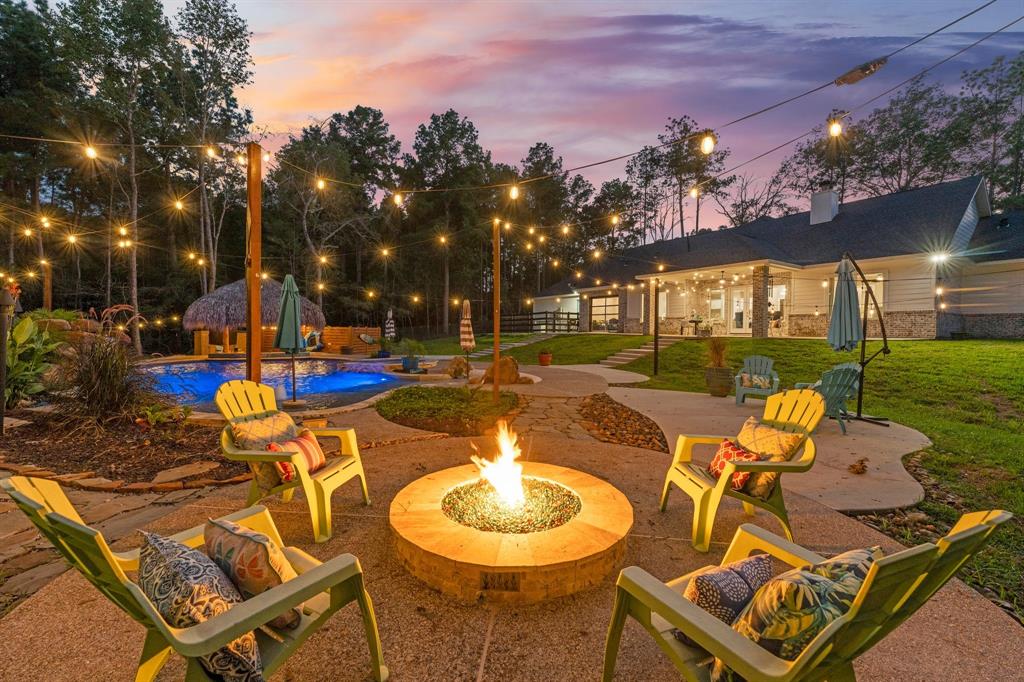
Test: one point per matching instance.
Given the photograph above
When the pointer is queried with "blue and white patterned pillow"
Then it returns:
(188, 588)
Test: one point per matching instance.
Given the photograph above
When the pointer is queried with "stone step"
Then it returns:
(612, 362)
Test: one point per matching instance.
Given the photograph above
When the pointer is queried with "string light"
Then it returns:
(615, 219)
(415, 298)
(938, 291)
(942, 306)
(321, 183)
(30, 274)
(201, 261)
(240, 159)
(443, 239)
(123, 231)
(320, 286)
(531, 230)
(707, 143)
(45, 221)
(264, 275)
(90, 152)
(597, 253)
(529, 246)
(211, 152)
(72, 239)
(178, 204)
(43, 262)
(27, 232)
(513, 192)
(266, 157)
(497, 221)
(398, 199)
(191, 255)
(508, 226)
(565, 229)
(554, 263)
(371, 294)
(579, 275)
(835, 128)
(661, 267)
(694, 192)
(385, 252)
(529, 301)
(542, 239)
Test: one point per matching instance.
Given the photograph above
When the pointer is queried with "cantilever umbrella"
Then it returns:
(289, 324)
(466, 339)
(847, 327)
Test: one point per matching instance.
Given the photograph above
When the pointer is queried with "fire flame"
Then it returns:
(504, 473)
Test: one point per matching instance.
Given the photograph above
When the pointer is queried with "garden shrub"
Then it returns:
(458, 411)
(30, 353)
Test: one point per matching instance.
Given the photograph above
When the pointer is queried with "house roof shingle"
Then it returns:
(998, 237)
(914, 221)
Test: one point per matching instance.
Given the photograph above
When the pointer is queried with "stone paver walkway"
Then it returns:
(885, 484)
(27, 561)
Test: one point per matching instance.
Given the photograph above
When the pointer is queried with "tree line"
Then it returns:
(361, 222)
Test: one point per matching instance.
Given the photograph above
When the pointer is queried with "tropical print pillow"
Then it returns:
(730, 452)
(188, 588)
(304, 444)
(252, 561)
(849, 568)
(773, 445)
(761, 381)
(788, 612)
(724, 591)
(255, 434)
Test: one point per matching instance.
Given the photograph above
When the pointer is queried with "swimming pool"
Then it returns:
(322, 383)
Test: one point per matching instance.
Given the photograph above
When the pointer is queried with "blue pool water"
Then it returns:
(322, 383)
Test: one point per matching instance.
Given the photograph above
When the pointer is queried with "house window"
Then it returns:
(604, 314)
(716, 304)
(876, 280)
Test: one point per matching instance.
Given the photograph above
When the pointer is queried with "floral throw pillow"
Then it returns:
(188, 588)
(761, 381)
(255, 434)
(304, 444)
(724, 591)
(252, 561)
(730, 452)
(788, 612)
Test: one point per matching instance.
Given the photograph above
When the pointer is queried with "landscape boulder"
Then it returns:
(508, 373)
(53, 325)
(458, 367)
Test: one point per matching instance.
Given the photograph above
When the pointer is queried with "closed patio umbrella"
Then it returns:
(844, 329)
(466, 339)
(389, 326)
(289, 325)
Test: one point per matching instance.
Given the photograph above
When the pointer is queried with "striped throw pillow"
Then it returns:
(306, 445)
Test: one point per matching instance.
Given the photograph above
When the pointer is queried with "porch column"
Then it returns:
(759, 315)
(584, 312)
(649, 295)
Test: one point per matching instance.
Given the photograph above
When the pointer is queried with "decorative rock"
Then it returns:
(167, 487)
(68, 478)
(137, 488)
(508, 373)
(458, 367)
(98, 484)
(53, 325)
(240, 478)
(178, 473)
(86, 325)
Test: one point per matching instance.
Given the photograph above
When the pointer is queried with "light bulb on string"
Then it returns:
(179, 204)
(565, 229)
(27, 232)
(542, 239)
(192, 255)
(266, 157)
(513, 192)
(72, 239)
(240, 159)
(90, 152)
(321, 183)
(508, 227)
(694, 192)
(211, 152)
(835, 128)
(615, 219)
(323, 260)
(385, 252)
(123, 231)
(398, 199)
(707, 143)
(597, 253)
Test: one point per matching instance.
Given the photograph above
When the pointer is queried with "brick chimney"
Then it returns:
(824, 206)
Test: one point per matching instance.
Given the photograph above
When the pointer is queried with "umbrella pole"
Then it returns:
(293, 378)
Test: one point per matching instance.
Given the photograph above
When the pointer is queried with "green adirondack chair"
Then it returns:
(837, 386)
(245, 400)
(791, 411)
(322, 588)
(895, 587)
(761, 366)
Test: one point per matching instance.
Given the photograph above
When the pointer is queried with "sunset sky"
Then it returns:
(597, 79)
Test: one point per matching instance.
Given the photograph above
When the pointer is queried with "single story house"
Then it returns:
(938, 260)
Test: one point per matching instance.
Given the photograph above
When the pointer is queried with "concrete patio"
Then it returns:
(429, 636)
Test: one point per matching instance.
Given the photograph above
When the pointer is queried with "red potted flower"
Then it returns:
(544, 358)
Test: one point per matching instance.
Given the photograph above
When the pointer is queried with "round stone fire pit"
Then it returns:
(571, 534)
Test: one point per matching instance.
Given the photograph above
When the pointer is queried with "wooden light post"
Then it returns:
(47, 285)
(496, 268)
(253, 266)
(7, 304)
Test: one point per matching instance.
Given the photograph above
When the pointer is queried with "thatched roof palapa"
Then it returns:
(224, 308)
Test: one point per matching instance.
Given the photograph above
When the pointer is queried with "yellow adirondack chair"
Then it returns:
(796, 411)
(321, 588)
(895, 587)
(245, 400)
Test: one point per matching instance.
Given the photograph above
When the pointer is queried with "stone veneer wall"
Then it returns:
(899, 324)
(633, 325)
(994, 325)
(584, 314)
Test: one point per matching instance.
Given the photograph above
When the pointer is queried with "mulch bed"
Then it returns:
(120, 451)
(612, 422)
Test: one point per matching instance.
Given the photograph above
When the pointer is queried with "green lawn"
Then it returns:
(449, 345)
(578, 349)
(966, 396)
(458, 411)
